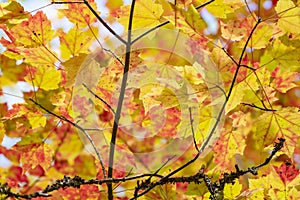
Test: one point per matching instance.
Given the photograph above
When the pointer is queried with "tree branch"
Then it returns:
(215, 188)
(120, 101)
(192, 128)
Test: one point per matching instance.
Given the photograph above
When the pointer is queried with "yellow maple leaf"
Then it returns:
(76, 41)
(146, 14)
(35, 32)
(47, 78)
(36, 120)
(289, 19)
(232, 190)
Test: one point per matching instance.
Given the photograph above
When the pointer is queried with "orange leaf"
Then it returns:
(34, 155)
(79, 13)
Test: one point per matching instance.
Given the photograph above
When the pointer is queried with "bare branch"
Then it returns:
(109, 106)
(255, 106)
(192, 128)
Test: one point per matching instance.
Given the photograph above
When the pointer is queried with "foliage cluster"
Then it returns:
(148, 101)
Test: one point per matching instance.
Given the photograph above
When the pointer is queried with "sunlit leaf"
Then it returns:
(232, 190)
(276, 124)
(37, 31)
(12, 13)
(11, 72)
(289, 16)
(283, 81)
(282, 55)
(146, 14)
(76, 41)
(47, 78)
(72, 66)
(79, 13)
(36, 120)
(33, 155)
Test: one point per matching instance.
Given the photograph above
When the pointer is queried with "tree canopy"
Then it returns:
(150, 99)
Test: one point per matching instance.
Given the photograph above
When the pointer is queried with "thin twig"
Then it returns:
(255, 106)
(215, 188)
(95, 95)
(192, 127)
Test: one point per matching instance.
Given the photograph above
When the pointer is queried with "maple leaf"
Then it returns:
(39, 56)
(228, 146)
(272, 124)
(262, 35)
(34, 32)
(283, 81)
(79, 13)
(231, 191)
(76, 41)
(47, 78)
(12, 13)
(289, 18)
(233, 30)
(10, 73)
(33, 155)
(147, 14)
(280, 55)
(72, 67)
